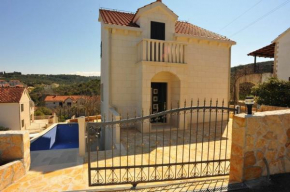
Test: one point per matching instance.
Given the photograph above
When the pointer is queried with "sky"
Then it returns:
(63, 36)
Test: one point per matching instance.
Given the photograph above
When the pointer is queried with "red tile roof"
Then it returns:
(190, 29)
(62, 98)
(117, 18)
(10, 94)
(125, 19)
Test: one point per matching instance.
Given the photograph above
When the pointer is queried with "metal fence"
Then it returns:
(182, 143)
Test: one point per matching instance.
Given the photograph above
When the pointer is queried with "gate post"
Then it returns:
(82, 133)
(260, 145)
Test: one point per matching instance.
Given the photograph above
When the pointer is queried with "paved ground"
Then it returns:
(279, 183)
(204, 143)
(64, 170)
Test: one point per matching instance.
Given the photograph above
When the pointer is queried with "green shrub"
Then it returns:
(4, 128)
(38, 113)
(274, 92)
(42, 111)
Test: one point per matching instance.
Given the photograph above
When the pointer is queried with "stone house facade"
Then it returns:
(150, 61)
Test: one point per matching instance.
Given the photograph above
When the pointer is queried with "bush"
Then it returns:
(42, 111)
(274, 92)
(38, 113)
(4, 128)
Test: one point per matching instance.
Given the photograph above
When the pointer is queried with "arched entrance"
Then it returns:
(165, 93)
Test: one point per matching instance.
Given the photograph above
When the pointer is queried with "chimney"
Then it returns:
(159, 1)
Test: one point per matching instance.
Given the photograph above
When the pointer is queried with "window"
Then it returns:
(157, 30)
(102, 92)
(22, 123)
(22, 107)
(60, 104)
(69, 104)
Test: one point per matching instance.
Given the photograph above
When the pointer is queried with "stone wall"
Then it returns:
(15, 152)
(264, 135)
(271, 108)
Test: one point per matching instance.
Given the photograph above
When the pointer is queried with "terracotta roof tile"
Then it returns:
(10, 94)
(117, 18)
(62, 98)
(125, 19)
(190, 29)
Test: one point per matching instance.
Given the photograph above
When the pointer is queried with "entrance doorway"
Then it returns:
(159, 101)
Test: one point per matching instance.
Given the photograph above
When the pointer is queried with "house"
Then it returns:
(150, 60)
(53, 101)
(4, 83)
(279, 50)
(16, 108)
(15, 83)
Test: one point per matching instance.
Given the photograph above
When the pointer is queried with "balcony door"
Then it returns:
(157, 30)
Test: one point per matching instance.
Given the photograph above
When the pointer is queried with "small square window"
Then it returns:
(22, 107)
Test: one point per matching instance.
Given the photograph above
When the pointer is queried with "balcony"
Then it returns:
(161, 51)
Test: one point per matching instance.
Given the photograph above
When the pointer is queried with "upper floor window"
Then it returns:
(157, 30)
(22, 107)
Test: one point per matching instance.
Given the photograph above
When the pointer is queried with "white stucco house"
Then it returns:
(16, 108)
(279, 49)
(149, 60)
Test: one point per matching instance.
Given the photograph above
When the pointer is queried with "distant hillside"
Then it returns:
(39, 79)
(89, 88)
(262, 67)
(241, 70)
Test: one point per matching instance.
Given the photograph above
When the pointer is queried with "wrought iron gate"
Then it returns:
(194, 142)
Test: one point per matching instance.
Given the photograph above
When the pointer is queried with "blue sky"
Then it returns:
(63, 36)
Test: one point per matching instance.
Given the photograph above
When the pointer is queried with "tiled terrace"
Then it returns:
(64, 170)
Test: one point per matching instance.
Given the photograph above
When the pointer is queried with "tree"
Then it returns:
(274, 92)
(42, 111)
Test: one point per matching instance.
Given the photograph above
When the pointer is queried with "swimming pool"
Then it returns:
(62, 136)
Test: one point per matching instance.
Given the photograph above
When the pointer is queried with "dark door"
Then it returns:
(159, 100)
(157, 30)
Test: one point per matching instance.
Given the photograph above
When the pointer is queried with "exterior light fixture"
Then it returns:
(249, 101)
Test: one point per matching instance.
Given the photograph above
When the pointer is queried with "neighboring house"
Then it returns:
(279, 49)
(53, 101)
(11, 83)
(4, 83)
(16, 108)
(150, 60)
(15, 83)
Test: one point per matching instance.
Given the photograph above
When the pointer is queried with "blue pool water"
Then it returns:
(62, 136)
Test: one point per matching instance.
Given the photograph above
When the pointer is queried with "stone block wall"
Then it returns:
(271, 108)
(15, 153)
(264, 135)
